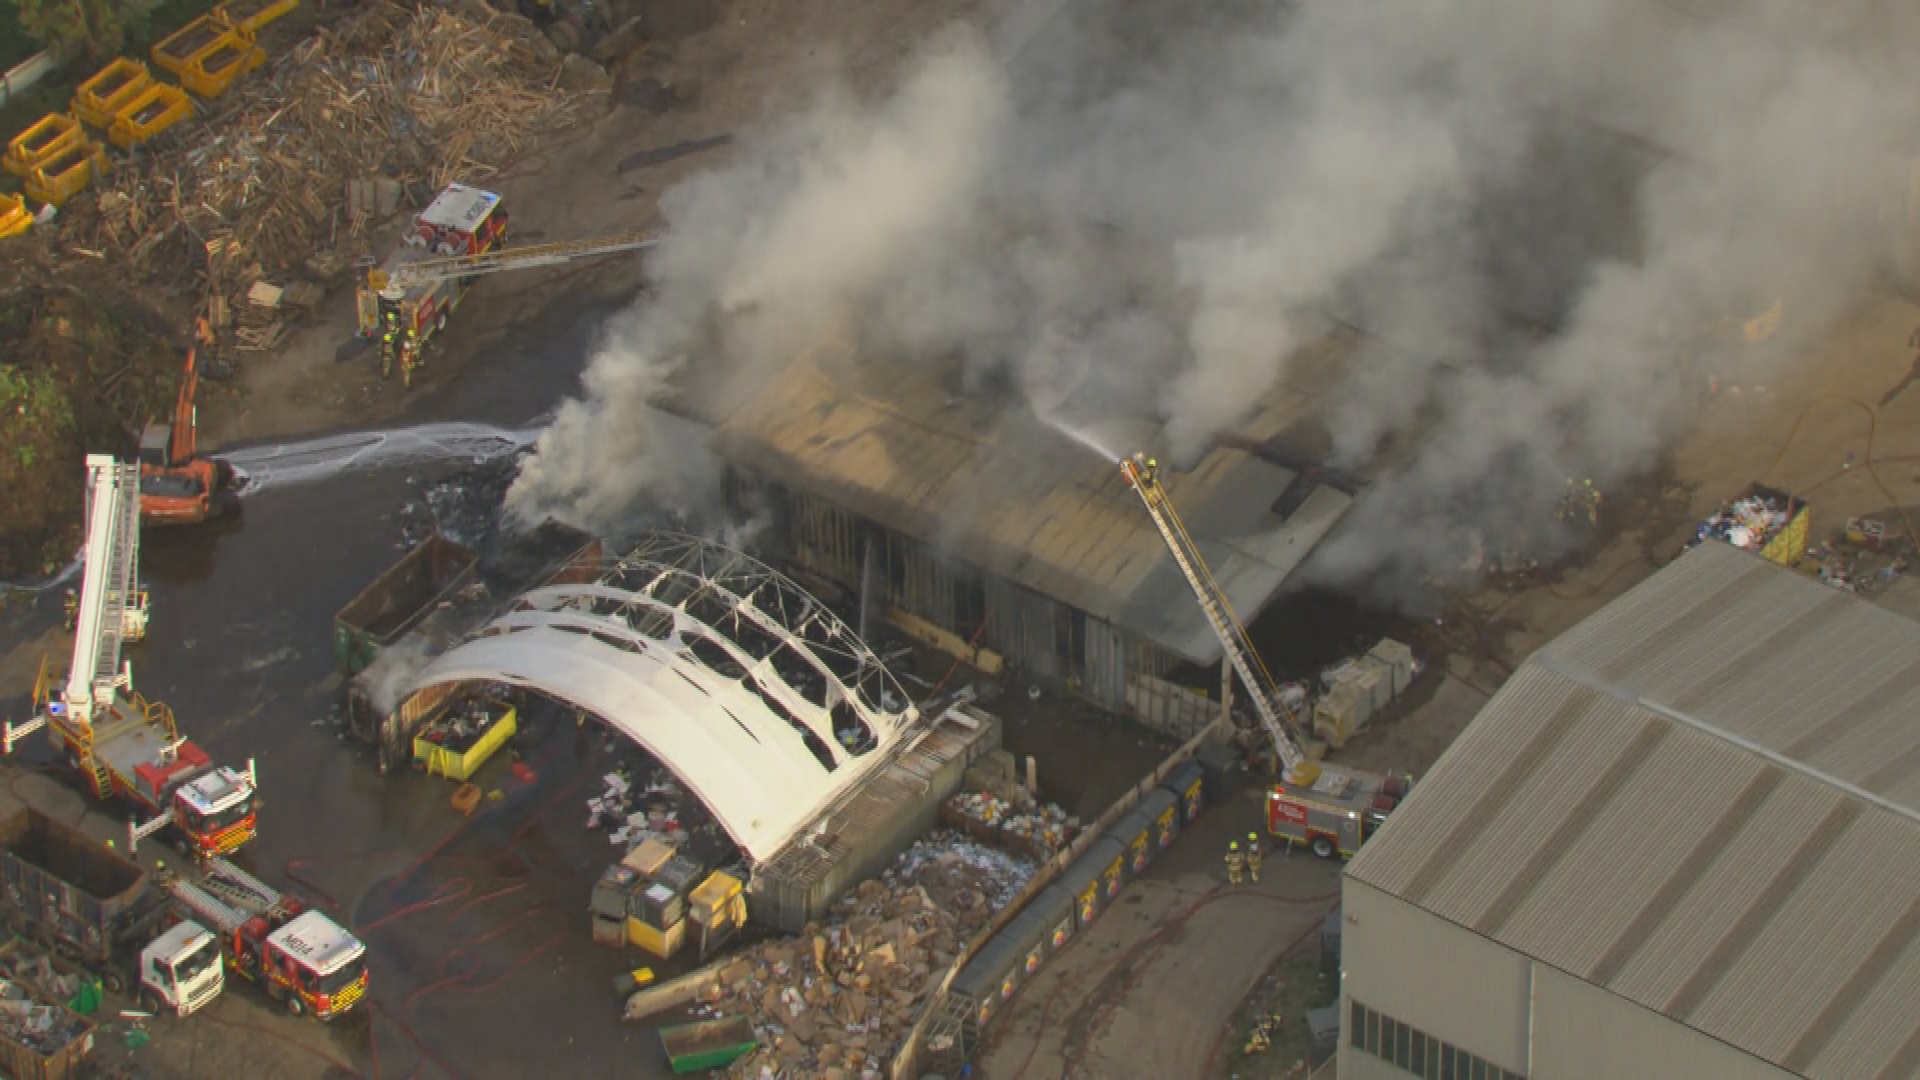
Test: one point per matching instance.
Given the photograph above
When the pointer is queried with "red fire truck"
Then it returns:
(1329, 808)
(125, 746)
(462, 234)
(300, 958)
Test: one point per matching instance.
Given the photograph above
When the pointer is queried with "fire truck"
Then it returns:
(404, 302)
(297, 955)
(1329, 808)
(125, 746)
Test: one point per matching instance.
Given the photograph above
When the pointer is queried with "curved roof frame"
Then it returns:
(623, 649)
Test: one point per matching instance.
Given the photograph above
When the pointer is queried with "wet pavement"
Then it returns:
(482, 964)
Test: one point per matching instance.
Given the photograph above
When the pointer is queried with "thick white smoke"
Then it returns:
(1534, 208)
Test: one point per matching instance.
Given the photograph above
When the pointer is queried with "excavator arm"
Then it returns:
(1142, 475)
(185, 435)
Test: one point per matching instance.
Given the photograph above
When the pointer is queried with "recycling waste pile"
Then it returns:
(1769, 523)
(1033, 831)
(640, 801)
(835, 1002)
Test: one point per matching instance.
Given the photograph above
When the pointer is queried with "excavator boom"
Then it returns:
(181, 446)
(1142, 475)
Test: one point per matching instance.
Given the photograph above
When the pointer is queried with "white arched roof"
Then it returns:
(622, 652)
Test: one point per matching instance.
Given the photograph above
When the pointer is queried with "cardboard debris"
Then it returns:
(838, 998)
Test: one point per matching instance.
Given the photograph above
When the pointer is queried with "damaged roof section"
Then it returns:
(762, 701)
(986, 480)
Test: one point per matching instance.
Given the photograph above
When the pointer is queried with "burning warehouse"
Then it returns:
(975, 526)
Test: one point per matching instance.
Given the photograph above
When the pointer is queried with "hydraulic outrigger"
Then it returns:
(124, 745)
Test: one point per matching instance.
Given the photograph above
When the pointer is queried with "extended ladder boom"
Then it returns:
(1142, 475)
(517, 258)
(106, 590)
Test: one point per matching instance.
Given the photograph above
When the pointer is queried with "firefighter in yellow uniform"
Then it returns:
(72, 610)
(1253, 858)
(1236, 863)
(389, 345)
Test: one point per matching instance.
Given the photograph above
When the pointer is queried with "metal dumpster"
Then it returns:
(708, 1044)
(1085, 879)
(68, 172)
(1162, 810)
(252, 15)
(1027, 936)
(1188, 784)
(150, 112)
(48, 136)
(100, 98)
(14, 216)
(1135, 833)
(208, 54)
(988, 981)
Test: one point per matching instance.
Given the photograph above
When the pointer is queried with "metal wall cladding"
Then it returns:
(989, 979)
(1581, 1031)
(1085, 879)
(1188, 782)
(1054, 907)
(1162, 810)
(1135, 833)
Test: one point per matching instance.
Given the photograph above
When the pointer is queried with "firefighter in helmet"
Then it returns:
(1253, 857)
(1236, 863)
(72, 606)
(389, 343)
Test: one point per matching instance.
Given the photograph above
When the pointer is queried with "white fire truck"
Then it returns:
(1330, 809)
(300, 958)
(125, 746)
(462, 234)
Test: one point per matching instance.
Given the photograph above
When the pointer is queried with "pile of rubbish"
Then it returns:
(1035, 831)
(45, 1029)
(1749, 522)
(835, 1002)
(635, 813)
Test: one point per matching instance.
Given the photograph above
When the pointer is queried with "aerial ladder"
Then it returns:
(1331, 809)
(125, 746)
(460, 237)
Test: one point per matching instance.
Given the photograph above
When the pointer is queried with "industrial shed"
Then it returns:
(1683, 840)
(971, 523)
(765, 704)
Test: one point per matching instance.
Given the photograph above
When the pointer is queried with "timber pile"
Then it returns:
(421, 96)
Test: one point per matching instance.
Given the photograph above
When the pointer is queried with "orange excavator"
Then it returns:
(177, 486)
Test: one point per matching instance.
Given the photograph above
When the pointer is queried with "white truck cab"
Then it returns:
(181, 972)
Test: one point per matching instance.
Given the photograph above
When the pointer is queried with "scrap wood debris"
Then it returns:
(836, 1001)
(406, 99)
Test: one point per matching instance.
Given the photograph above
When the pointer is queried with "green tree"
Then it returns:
(92, 30)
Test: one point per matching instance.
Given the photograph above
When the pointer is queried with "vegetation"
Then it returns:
(32, 407)
(90, 30)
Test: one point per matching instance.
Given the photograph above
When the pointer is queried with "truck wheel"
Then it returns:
(295, 1006)
(114, 982)
(150, 1002)
(440, 324)
(1321, 846)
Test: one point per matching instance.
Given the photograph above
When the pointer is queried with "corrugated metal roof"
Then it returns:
(1706, 799)
(993, 485)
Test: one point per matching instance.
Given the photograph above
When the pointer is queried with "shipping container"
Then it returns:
(1135, 833)
(1085, 879)
(988, 981)
(1054, 908)
(1162, 810)
(1188, 784)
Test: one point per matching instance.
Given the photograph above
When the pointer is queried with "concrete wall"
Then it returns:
(1532, 1020)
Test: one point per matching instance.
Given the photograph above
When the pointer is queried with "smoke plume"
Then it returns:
(1543, 214)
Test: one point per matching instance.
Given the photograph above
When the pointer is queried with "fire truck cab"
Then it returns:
(1337, 812)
